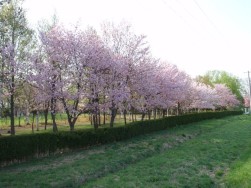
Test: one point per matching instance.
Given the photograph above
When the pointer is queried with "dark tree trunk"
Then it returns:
(149, 114)
(37, 120)
(12, 89)
(104, 118)
(53, 104)
(46, 111)
(143, 116)
(71, 126)
(90, 118)
(95, 121)
(99, 118)
(95, 115)
(72, 118)
(72, 122)
(113, 115)
(124, 116)
(159, 113)
(19, 120)
(32, 124)
(178, 109)
(12, 118)
(54, 124)
(53, 115)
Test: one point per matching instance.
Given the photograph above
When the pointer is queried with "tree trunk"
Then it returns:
(19, 119)
(37, 120)
(71, 119)
(12, 118)
(99, 118)
(149, 114)
(54, 124)
(45, 118)
(53, 103)
(90, 118)
(71, 126)
(113, 115)
(143, 116)
(124, 116)
(104, 118)
(95, 121)
(12, 89)
(178, 109)
(27, 116)
(53, 114)
(112, 121)
(132, 116)
(32, 124)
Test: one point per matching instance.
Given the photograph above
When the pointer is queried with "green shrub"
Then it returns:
(23, 147)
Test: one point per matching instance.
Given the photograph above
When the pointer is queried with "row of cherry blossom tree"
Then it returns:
(113, 72)
(110, 72)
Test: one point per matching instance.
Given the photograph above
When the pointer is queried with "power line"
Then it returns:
(193, 17)
(191, 26)
(175, 12)
(170, 7)
(188, 11)
(208, 18)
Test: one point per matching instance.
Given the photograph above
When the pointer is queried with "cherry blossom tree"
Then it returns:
(176, 86)
(146, 88)
(217, 97)
(116, 90)
(79, 70)
(132, 48)
(203, 97)
(226, 98)
(50, 66)
(101, 76)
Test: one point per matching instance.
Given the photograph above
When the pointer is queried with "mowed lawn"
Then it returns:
(212, 153)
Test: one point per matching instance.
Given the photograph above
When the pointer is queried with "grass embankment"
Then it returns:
(212, 153)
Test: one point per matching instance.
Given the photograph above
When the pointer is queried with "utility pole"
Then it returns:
(249, 92)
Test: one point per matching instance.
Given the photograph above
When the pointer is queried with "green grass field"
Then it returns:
(212, 153)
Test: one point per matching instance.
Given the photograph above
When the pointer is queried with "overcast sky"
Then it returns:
(196, 35)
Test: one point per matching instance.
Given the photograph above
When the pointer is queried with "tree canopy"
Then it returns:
(222, 77)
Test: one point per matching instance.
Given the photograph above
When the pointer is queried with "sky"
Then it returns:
(195, 35)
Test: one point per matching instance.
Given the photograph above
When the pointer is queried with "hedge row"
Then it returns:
(23, 147)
